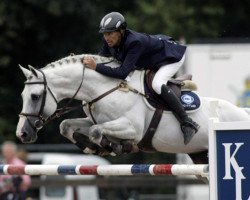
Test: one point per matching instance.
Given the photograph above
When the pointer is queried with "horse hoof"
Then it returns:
(113, 154)
(89, 151)
(106, 144)
(117, 149)
(129, 147)
(103, 152)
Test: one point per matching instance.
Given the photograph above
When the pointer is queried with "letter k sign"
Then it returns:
(231, 161)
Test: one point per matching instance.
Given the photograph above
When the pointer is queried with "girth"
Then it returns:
(146, 142)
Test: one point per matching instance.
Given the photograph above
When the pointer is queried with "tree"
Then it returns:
(177, 18)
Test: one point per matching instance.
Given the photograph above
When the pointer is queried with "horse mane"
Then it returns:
(72, 58)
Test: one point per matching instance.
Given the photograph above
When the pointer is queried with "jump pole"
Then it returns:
(106, 170)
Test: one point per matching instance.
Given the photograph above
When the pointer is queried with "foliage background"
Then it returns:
(38, 32)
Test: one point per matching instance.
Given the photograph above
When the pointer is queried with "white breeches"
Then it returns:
(165, 73)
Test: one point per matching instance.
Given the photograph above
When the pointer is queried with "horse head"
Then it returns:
(38, 104)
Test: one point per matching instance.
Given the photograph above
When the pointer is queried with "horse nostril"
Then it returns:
(24, 135)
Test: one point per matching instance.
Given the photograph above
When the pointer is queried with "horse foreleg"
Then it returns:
(69, 126)
(76, 130)
(121, 129)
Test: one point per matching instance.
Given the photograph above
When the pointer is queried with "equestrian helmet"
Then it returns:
(112, 22)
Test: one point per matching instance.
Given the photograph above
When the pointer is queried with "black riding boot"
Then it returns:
(188, 126)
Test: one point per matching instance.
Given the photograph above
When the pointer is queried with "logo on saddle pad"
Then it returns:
(189, 100)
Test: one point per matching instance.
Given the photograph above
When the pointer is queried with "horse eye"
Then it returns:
(35, 97)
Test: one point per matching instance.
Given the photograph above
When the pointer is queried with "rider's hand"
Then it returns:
(89, 62)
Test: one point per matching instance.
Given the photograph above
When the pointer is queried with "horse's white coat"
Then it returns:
(123, 115)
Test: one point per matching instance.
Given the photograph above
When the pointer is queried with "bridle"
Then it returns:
(58, 113)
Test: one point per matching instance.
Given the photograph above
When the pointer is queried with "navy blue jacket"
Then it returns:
(140, 51)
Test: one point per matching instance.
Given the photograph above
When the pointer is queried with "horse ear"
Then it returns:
(33, 71)
(25, 71)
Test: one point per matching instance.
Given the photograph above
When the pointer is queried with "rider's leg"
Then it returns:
(188, 126)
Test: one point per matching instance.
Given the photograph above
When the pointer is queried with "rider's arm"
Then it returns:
(134, 52)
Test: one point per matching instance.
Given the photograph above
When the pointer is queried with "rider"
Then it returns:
(145, 52)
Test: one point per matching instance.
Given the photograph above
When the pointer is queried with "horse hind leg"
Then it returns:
(200, 158)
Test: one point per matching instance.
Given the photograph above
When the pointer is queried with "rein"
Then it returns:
(123, 86)
(65, 109)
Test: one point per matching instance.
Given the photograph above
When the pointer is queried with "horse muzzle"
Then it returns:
(26, 138)
(25, 132)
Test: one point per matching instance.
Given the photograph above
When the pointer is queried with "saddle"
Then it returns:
(182, 86)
